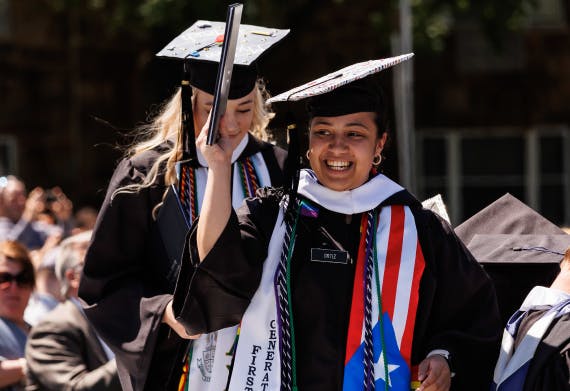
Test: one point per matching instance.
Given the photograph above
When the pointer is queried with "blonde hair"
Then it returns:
(166, 127)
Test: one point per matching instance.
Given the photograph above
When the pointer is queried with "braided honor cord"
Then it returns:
(283, 287)
(248, 175)
(368, 274)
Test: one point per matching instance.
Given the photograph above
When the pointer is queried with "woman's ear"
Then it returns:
(381, 143)
(73, 277)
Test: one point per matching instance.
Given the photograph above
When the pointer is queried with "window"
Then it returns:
(474, 52)
(547, 14)
(473, 167)
(4, 19)
(8, 154)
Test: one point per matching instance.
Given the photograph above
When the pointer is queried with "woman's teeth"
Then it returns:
(338, 164)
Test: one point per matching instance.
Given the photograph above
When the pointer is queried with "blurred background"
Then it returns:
(481, 110)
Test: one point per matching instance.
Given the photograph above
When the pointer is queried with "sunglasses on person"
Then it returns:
(23, 279)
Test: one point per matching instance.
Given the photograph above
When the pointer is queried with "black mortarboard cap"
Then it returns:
(348, 90)
(517, 246)
(201, 46)
(359, 96)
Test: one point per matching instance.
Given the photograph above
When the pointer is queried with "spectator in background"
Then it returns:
(59, 208)
(46, 295)
(18, 213)
(39, 220)
(63, 350)
(16, 284)
(85, 219)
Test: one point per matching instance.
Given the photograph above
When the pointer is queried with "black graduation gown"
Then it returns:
(550, 366)
(457, 309)
(125, 284)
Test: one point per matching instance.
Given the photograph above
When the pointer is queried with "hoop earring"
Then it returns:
(377, 160)
(308, 154)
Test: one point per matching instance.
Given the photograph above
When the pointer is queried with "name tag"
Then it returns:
(329, 256)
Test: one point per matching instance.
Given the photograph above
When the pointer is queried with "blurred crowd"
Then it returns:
(46, 342)
(41, 219)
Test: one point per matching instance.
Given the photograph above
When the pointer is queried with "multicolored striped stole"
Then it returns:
(187, 191)
(188, 184)
(249, 180)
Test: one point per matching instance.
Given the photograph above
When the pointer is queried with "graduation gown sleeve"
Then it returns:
(225, 281)
(123, 284)
(457, 310)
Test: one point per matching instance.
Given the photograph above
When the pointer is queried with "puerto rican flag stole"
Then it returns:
(385, 296)
(398, 268)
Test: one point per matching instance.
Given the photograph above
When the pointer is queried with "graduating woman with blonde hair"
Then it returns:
(128, 277)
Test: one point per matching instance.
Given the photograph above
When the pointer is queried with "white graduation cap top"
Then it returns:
(339, 78)
(200, 42)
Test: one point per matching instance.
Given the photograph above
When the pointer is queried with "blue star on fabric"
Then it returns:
(398, 370)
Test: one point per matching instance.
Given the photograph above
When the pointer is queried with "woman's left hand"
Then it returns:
(169, 318)
(434, 373)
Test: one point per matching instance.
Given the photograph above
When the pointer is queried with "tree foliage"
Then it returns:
(433, 20)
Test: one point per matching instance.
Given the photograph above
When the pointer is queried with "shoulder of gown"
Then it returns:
(457, 308)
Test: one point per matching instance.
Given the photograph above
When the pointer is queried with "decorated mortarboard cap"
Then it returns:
(518, 247)
(346, 91)
(201, 47)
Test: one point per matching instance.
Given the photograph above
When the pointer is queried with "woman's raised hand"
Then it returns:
(219, 154)
(216, 205)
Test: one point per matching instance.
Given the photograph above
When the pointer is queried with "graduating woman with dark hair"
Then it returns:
(347, 283)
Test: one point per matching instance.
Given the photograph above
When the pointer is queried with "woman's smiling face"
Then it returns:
(341, 149)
